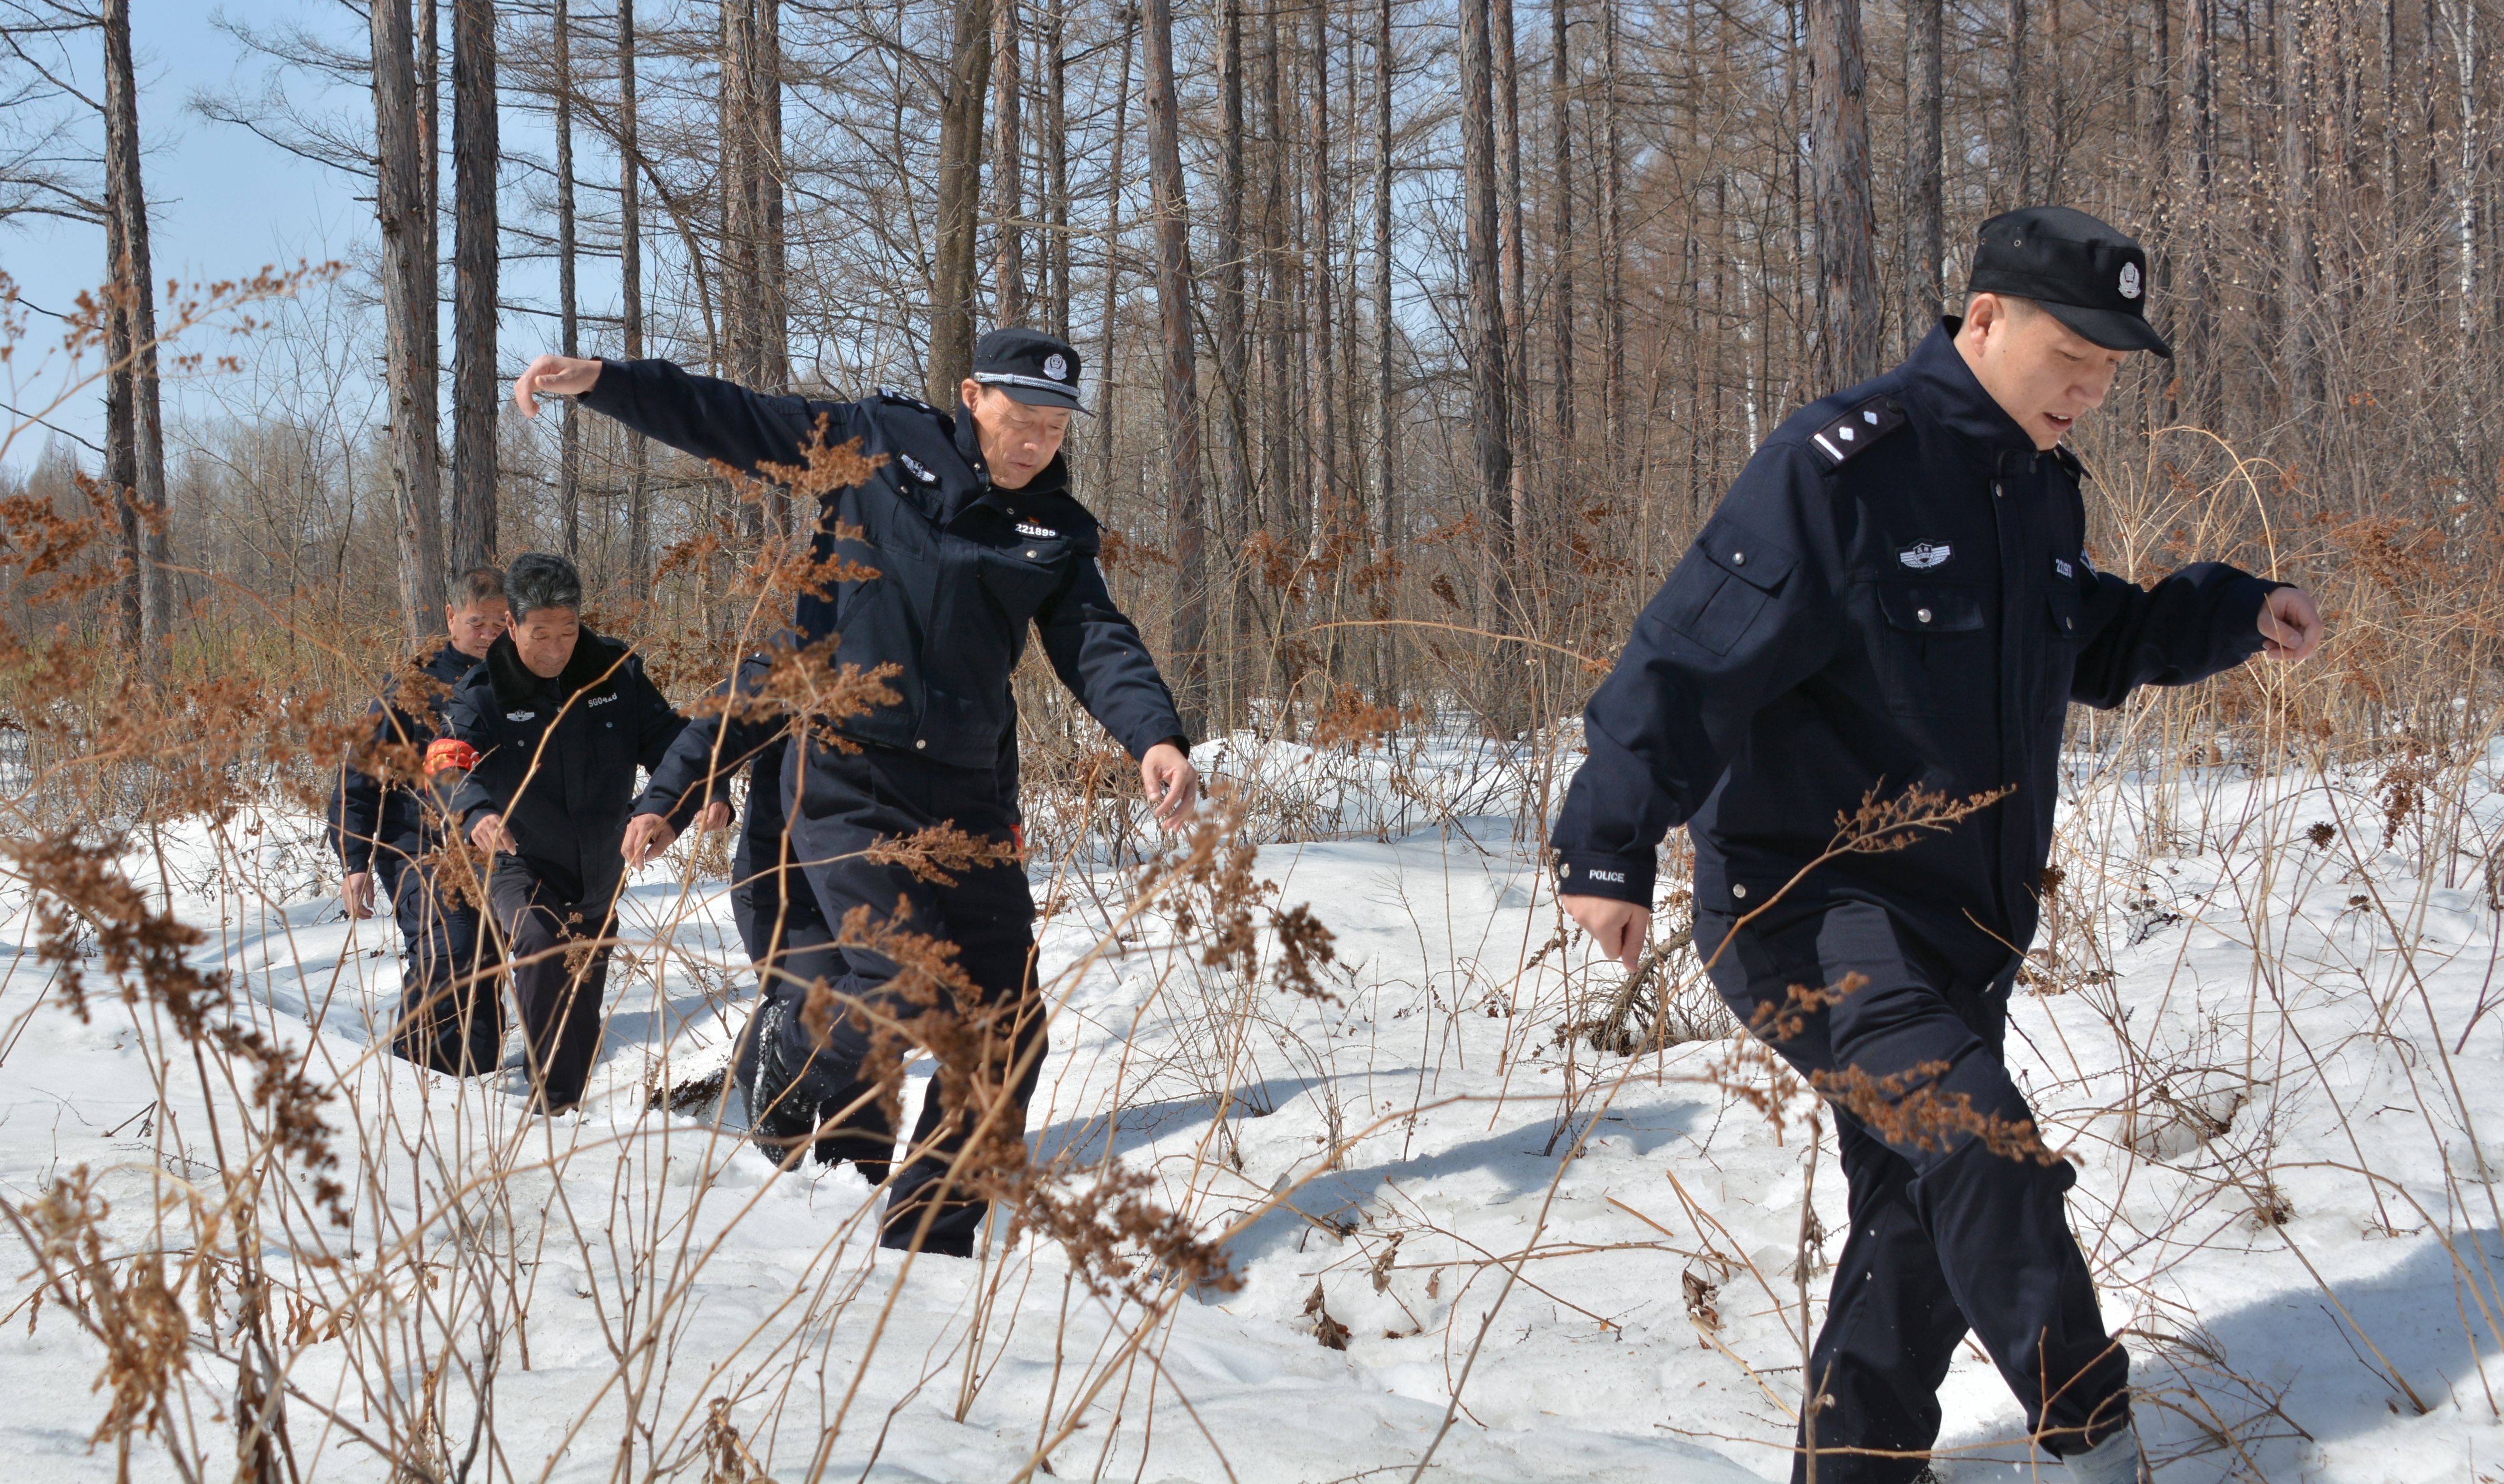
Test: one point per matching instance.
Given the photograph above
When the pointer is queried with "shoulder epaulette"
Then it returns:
(906, 397)
(1858, 428)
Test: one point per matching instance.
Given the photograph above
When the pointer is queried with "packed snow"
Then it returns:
(2266, 1044)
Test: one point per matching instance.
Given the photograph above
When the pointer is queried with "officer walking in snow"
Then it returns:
(973, 534)
(1896, 592)
(554, 722)
(449, 1016)
(785, 935)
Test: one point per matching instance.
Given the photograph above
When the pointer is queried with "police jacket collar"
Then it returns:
(595, 661)
(1937, 375)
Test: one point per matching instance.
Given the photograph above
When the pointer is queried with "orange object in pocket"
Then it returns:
(449, 754)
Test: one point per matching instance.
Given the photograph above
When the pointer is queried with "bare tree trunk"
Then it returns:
(2195, 345)
(1490, 379)
(569, 458)
(1613, 243)
(429, 173)
(1925, 241)
(1106, 383)
(1848, 308)
(1008, 166)
(1320, 402)
(2020, 168)
(1277, 272)
(400, 206)
(1560, 107)
(143, 490)
(1386, 410)
(1235, 519)
(474, 390)
(1516, 307)
(960, 194)
(1055, 30)
(1182, 378)
(630, 273)
(2160, 147)
(737, 354)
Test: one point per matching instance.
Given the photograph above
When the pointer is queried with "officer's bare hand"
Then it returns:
(646, 836)
(2291, 624)
(489, 833)
(555, 375)
(357, 894)
(1620, 929)
(1171, 783)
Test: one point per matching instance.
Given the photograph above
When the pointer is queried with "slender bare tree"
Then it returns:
(1190, 668)
(407, 273)
(477, 395)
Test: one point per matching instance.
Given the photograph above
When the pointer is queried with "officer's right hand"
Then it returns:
(556, 375)
(646, 836)
(357, 894)
(1620, 929)
(489, 834)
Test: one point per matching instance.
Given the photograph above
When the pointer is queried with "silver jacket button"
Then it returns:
(920, 742)
(1738, 559)
(1923, 614)
(1738, 890)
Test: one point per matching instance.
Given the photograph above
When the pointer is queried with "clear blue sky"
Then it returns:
(223, 202)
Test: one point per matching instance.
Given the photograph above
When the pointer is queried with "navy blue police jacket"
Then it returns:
(712, 749)
(1896, 592)
(962, 566)
(368, 817)
(557, 758)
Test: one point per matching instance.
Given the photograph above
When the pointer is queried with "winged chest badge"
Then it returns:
(1925, 556)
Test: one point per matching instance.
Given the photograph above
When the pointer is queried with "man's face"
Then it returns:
(545, 640)
(2041, 372)
(1018, 440)
(474, 626)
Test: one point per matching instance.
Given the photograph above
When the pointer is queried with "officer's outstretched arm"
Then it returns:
(1098, 654)
(696, 767)
(1748, 615)
(2189, 625)
(714, 418)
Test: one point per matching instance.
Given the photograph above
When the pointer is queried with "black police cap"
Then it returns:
(1029, 366)
(2084, 273)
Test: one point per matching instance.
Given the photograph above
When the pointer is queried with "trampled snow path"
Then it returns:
(2282, 1057)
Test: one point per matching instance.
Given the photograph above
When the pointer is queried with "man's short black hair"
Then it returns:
(479, 584)
(540, 579)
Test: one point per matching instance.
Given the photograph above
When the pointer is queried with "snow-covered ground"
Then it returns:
(2263, 1043)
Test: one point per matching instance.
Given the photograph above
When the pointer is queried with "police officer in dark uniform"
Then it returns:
(1898, 591)
(973, 534)
(449, 1017)
(785, 935)
(557, 719)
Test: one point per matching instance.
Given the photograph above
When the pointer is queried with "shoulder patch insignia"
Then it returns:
(916, 468)
(1858, 428)
(906, 397)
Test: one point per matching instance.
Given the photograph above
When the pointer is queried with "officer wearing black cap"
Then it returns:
(1898, 591)
(972, 534)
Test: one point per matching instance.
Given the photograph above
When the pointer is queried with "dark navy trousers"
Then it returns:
(847, 803)
(1946, 1238)
(558, 941)
(451, 1016)
(810, 1092)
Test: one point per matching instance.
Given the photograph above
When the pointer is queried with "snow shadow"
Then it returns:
(1085, 1140)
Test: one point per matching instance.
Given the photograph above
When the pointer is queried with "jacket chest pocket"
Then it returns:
(1725, 584)
(1022, 576)
(1932, 647)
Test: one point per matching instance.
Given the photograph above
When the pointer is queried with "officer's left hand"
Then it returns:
(2291, 624)
(1171, 783)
